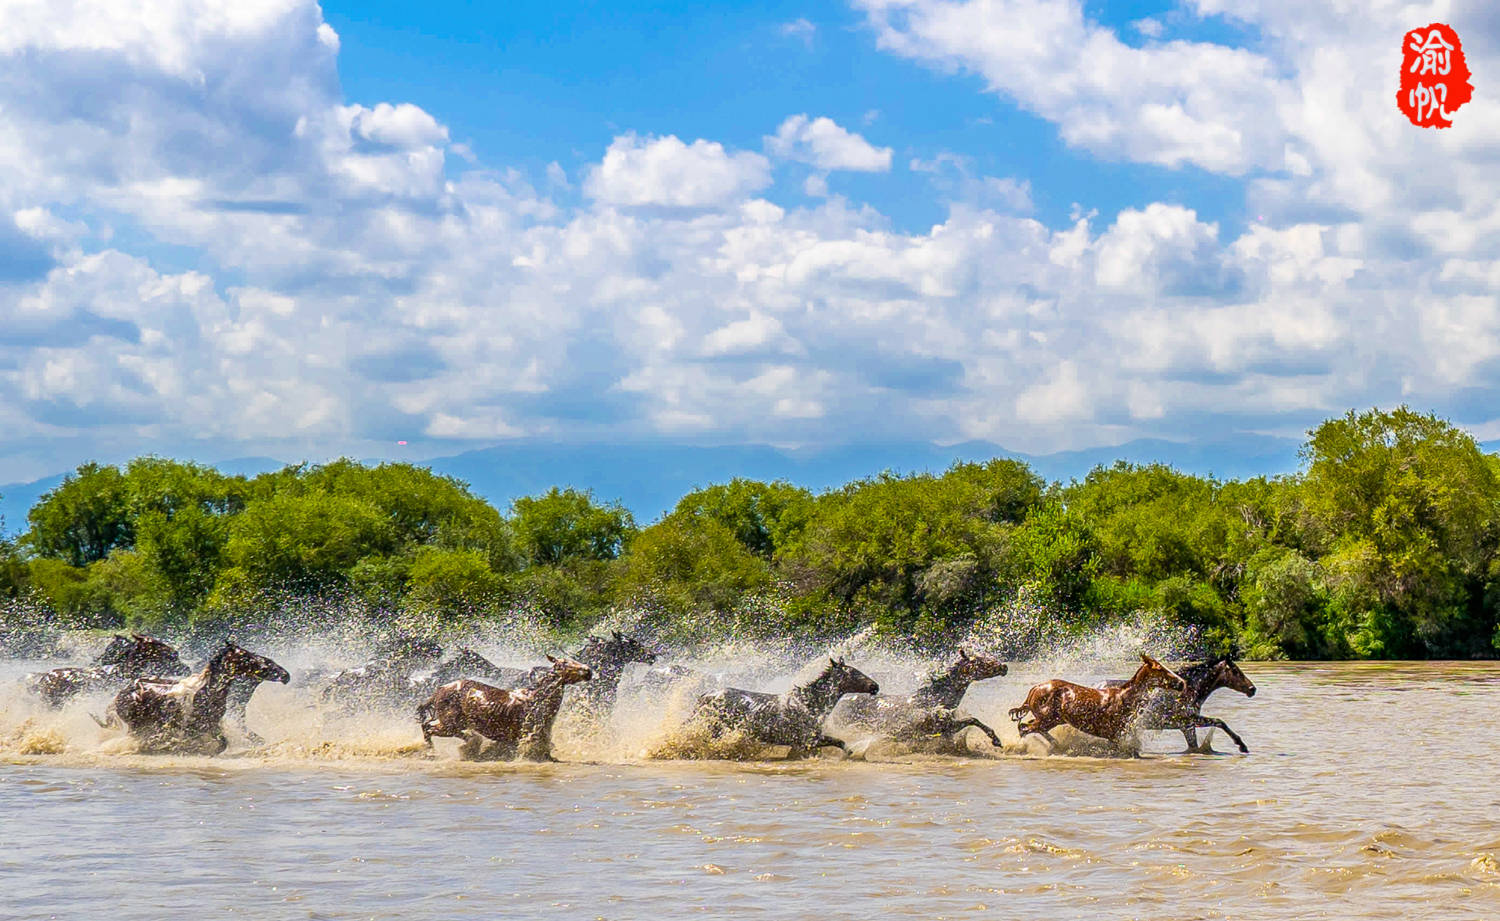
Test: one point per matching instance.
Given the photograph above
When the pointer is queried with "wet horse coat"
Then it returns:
(794, 719)
(1166, 711)
(1104, 712)
(930, 711)
(186, 714)
(519, 722)
(123, 660)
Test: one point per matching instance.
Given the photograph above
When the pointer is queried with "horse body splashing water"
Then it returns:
(519, 722)
(186, 715)
(122, 661)
(387, 680)
(1104, 712)
(1167, 711)
(794, 719)
(932, 710)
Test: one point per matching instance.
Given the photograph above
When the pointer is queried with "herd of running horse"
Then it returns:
(508, 713)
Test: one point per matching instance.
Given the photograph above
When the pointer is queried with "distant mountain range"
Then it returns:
(649, 478)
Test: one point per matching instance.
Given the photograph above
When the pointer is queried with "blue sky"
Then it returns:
(527, 85)
(278, 228)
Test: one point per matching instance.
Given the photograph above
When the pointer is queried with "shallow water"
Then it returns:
(1369, 792)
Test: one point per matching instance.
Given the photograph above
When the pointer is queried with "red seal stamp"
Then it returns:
(1434, 76)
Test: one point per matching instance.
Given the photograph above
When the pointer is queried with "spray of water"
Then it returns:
(649, 718)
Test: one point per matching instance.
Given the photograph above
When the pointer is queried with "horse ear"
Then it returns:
(842, 663)
(552, 659)
(963, 653)
(619, 635)
(1147, 659)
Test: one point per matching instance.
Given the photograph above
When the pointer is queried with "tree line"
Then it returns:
(1384, 545)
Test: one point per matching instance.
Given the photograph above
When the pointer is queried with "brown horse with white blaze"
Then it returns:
(519, 722)
(1104, 712)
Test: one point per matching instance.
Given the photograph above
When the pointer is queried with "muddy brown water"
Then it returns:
(1370, 792)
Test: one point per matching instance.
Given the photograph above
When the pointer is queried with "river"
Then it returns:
(1369, 792)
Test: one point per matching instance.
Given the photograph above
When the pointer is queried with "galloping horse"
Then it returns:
(931, 710)
(606, 658)
(386, 680)
(1181, 711)
(794, 719)
(1107, 713)
(519, 722)
(123, 660)
(186, 714)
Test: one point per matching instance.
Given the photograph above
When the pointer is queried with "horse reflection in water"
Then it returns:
(518, 722)
(929, 713)
(123, 660)
(185, 715)
(1104, 712)
(1167, 711)
(794, 719)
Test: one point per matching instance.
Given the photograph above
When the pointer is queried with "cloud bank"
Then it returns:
(352, 282)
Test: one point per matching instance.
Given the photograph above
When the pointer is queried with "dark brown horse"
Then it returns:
(122, 661)
(1164, 711)
(186, 714)
(519, 722)
(929, 712)
(794, 719)
(387, 681)
(606, 657)
(1104, 712)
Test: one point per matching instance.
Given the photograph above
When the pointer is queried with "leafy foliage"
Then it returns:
(1387, 544)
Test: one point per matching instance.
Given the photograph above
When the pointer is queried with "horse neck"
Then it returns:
(1136, 687)
(542, 706)
(945, 689)
(818, 695)
(1202, 680)
(211, 700)
(607, 669)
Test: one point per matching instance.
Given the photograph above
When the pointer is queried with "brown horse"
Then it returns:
(122, 661)
(186, 714)
(518, 722)
(1182, 711)
(1104, 712)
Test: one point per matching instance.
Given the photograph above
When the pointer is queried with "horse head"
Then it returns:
(977, 666)
(848, 679)
(239, 662)
(1228, 675)
(616, 652)
(569, 671)
(1153, 674)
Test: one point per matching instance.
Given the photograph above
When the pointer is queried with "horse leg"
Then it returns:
(1220, 724)
(472, 744)
(973, 721)
(830, 742)
(1190, 735)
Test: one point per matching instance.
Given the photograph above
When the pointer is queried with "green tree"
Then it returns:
(906, 549)
(564, 524)
(692, 564)
(82, 519)
(761, 516)
(1401, 507)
